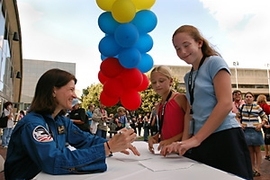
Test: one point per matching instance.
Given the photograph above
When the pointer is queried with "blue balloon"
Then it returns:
(145, 21)
(102, 57)
(146, 63)
(106, 23)
(126, 35)
(108, 46)
(129, 58)
(144, 43)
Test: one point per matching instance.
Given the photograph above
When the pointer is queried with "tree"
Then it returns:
(148, 96)
(91, 95)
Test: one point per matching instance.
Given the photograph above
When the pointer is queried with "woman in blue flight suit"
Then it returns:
(45, 140)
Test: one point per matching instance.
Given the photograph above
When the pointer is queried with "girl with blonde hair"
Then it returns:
(171, 109)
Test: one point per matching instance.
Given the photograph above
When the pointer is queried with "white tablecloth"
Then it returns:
(148, 166)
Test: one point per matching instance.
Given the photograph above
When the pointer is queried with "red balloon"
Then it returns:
(102, 78)
(111, 67)
(113, 87)
(107, 100)
(145, 83)
(131, 100)
(131, 78)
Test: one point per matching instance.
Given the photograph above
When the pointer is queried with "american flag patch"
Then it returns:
(40, 134)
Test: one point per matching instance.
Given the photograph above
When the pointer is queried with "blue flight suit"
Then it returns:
(40, 143)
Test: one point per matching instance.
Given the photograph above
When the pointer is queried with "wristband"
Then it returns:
(109, 148)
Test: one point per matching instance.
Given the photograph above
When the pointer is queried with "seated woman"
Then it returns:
(46, 140)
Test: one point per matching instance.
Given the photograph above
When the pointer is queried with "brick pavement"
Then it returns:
(265, 167)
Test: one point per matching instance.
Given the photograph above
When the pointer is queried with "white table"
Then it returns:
(147, 166)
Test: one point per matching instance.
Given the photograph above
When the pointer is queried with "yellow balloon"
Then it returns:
(123, 11)
(143, 4)
(105, 5)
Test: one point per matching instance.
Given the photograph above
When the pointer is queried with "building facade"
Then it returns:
(32, 71)
(10, 53)
(244, 79)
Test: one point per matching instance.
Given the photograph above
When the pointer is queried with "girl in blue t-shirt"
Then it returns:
(214, 136)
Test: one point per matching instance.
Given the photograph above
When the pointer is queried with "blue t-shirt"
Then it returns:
(123, 120)
(204, 94)
(90, 115)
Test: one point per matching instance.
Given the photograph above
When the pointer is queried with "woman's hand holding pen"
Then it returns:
(122, 141)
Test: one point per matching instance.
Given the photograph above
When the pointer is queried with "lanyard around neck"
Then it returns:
(163, 111)
(191, 84)
(249, 112)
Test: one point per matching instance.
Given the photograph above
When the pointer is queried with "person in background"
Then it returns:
(154, 120)
(89, 113)
(171, 110)
(46, 140)
(261, 101)
(112, 125)
(139, 121)
(212, 135)
(237, 102)
(21, 114)
(131, 120)
(128, 115)
(250, 113)
(146, 126)
(78, 116)
(100, 116)
(7, 131)
(122, 117)
(133, 123)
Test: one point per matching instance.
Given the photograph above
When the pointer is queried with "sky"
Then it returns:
(68, 31)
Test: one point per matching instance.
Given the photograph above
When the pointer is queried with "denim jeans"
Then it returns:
(146, 134)
(6, 136)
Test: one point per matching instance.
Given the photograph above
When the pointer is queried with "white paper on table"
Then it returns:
(172, 162)
(156, 151)
(129, 158)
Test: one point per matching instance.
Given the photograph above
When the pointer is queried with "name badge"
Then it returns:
(61, 129)
(250, 124)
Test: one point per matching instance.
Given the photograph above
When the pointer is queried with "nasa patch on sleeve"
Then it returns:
(40, 134)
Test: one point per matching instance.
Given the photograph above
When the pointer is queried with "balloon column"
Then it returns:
(126, 24)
